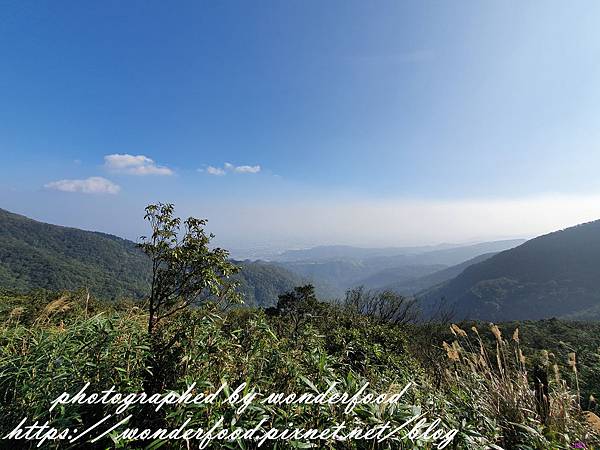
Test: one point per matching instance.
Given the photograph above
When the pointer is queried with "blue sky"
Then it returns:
(384, 123)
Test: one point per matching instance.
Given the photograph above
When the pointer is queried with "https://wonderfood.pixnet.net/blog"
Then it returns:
(414, 426)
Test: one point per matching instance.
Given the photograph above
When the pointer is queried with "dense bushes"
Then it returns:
(55, 344)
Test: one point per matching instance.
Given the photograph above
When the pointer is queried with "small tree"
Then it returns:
(298, 306)
(387, 306)
(185, 270)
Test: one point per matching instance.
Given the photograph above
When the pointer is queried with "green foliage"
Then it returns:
(545, 342)
(560, 338)
(499, 385)
(496, 393)
(40, 360)
(35, 255)
(260, 283)
(49, 342)
(59, 342)
(185, 270)
(554, 275)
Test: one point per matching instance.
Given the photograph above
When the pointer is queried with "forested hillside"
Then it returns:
(398, 275)
(36, 255)
(261, 282)
(39, 255)
(555, 275)
(370, 339)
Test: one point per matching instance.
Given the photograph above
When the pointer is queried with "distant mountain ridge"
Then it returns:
(554, 275)
(336, 252)
(377, 270)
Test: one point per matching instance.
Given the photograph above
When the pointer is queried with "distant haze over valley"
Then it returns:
(344, 267)
(557, 274)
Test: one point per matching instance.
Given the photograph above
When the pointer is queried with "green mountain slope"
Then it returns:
(555, 275)
(261, 282)
(37, 255)
(417, 284)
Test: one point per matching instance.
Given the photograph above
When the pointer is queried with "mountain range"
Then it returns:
(348, 267)
(555, 275)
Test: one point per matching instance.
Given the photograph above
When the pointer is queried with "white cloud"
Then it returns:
(134, 165)
(215, 171)
(242, 169)
(91, 185)
(228, 167)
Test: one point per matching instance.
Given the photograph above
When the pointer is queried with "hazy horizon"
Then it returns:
(461, 230)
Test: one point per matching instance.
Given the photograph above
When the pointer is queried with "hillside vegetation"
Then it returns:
(555, 275)
(55, 343)
(260, 283)
(414, 285)
(478, 387)
(36, 255)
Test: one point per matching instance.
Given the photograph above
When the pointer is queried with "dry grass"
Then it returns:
(58, 306)
(524, 405)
